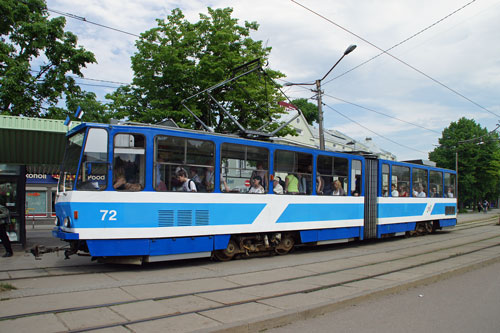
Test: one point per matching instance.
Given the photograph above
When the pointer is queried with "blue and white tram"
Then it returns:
(120, 196)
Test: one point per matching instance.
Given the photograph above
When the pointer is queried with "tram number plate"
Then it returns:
(108, 215)
(449, 210)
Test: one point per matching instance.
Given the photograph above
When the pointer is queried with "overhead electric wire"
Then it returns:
(90, 79)
(377, 134)
(396, 58)
(381, 113)
(372, 110)
(403, 41)
(80, 18)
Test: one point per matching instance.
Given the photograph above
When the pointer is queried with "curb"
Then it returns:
(302, 313)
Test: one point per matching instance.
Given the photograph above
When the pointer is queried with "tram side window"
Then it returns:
(401, 177)
(436, 184)
(295, 170)
(356, 177)
(245, 169)
(177, 155)
(449, 185)
(334, 173)
(419, 179)
(385, 180)
(94, 167)
(129, 162)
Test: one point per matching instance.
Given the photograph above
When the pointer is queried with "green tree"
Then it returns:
(35, 56)
(178, 59)
(309, 110)
(478, 159)
(93, 110)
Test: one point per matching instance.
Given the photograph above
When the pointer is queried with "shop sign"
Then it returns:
(40, 178)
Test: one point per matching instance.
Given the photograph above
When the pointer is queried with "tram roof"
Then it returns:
(35, 142)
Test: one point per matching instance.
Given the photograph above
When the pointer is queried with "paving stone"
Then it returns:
(335, 292)
(266, 276)
(294, 301)
(67, 282)
(324, 267)
(177, 288)
(399, 276)
(227, 296)
(375, 269)
(184, 323)
(141, 310)
(90, 318)
(66, 300)
(28, 273)
(240, 312)
(432, 268)
(331, 278)
(40, 324)
(115, 329)
(277, 289)
(370, 284)
(188, 303)
(377, 257)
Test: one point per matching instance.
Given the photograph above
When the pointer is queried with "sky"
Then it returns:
(450, 70)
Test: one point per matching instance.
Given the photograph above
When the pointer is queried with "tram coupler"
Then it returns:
(38, 250)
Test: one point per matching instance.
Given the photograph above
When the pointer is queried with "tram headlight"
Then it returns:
(67, 222)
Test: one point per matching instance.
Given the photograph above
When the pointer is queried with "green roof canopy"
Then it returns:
(35, 142)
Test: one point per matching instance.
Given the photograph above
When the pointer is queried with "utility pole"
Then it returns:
(319, 92)
(320, 116)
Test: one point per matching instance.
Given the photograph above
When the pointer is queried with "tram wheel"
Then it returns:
(285, 245)
(428, 227)
(228, 253)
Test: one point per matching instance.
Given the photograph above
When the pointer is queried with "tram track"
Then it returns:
(396, 261)
(45, 272)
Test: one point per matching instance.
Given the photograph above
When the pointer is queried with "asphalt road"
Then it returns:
(465, 303)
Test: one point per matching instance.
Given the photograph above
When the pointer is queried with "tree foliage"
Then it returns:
(309, 110)
(478, 159)
(35, 56)
(178, 59)
(93, 110)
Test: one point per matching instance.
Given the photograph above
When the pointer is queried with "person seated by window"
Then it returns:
(394, 192)
(419, 192)
(450, 194)
(256, 186)
(209, 179)
(403, 192)
(277, 188)
(120, 182)
(187, 184)
(434, 193)
(291, 184)
(327, 185)
(193, 174)
(337, 188)
(261, 173)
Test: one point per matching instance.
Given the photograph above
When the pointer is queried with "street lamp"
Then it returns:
(318, 91)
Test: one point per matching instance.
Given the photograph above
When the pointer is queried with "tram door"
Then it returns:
(371, 174)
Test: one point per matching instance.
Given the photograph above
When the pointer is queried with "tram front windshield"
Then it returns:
(70, 163)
